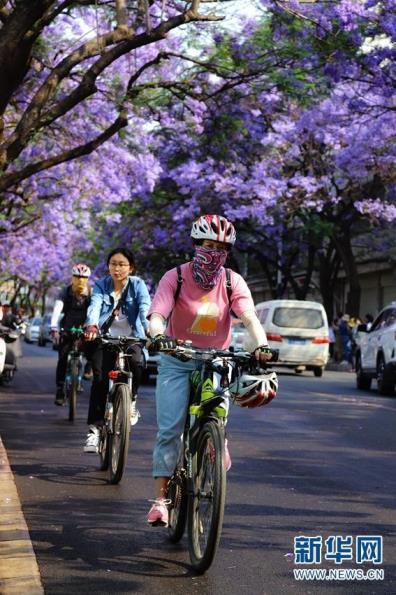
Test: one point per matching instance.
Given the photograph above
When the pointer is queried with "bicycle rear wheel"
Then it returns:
(206, 506)
(72, 390)
(119, 439)
(177, 494)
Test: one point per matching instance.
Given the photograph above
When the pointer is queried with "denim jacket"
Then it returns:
(135, 307)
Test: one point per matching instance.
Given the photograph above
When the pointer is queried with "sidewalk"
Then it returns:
(19, 573)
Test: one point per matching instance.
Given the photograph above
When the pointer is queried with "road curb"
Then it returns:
(19, 572)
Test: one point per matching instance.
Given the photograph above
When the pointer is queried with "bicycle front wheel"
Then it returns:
(104, 448)
(206, 506)
(177, 494)
(72, 390)
(119, 439)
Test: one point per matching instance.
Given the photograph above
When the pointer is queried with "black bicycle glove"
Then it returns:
(262, 349)
(161, 343)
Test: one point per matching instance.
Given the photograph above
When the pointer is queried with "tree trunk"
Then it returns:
(343, 246)
(329, 265)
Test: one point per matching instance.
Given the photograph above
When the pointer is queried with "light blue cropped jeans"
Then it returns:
(171, 395)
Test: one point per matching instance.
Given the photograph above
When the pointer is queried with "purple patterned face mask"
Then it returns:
(206, 266)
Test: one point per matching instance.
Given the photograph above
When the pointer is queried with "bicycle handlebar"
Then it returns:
(122, 340)
(184, 348)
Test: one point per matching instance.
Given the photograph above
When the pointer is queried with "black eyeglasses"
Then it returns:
(119, 265)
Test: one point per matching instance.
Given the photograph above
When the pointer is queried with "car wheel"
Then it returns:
(385, 382)
(363, 382)
(318, 371)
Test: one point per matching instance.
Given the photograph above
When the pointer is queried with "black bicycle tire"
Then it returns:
(202, 558)
(72, 396)
(121, 405)
(104, 449)
(177, 494)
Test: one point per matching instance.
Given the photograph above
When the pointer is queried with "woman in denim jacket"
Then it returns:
(130, 319)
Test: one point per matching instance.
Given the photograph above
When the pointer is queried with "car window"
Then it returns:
(379, 322)
(298, 318)
(36, 321)
(390, 317)
(262, 315)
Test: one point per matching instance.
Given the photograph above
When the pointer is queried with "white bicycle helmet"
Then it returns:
(213, 227)
(81, 270)
(254, 391)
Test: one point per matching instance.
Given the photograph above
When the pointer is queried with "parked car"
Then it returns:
(33, 330)
(299, 330)
(376, 352)
(45, 331)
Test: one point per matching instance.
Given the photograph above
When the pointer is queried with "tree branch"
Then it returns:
(32, 119)
(33, 168)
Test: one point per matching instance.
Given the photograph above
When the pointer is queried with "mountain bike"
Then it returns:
(74, 369)
(115, 432)
(197, 488)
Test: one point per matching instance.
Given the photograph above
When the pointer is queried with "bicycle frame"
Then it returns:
(119, 375)
(115, 433)
(197, 488)
(74, 370)
(74, 356)
(205, 403)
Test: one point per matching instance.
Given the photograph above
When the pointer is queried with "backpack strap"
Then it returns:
(179, 282)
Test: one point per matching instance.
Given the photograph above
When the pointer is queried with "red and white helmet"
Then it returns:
(213, 227)
(81, 270)
(254, 391)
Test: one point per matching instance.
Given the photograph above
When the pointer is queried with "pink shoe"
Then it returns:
(227, 457)
(158, 514)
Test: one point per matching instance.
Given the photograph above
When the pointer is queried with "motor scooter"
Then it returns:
(8, 360)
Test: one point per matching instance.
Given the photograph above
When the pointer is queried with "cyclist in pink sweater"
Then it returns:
(194, 302)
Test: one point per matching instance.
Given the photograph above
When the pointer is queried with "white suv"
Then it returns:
(376, 353)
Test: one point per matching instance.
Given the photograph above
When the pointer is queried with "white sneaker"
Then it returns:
(92, 442)
(134, 415)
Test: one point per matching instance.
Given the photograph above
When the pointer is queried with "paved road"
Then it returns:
(320, 460)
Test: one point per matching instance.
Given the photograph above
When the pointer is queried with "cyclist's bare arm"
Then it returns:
(157, 324)
(56, 315)
(256, 333)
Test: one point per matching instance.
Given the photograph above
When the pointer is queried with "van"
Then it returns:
(300, 330)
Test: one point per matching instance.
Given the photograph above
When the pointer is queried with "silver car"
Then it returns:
(33, 330)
